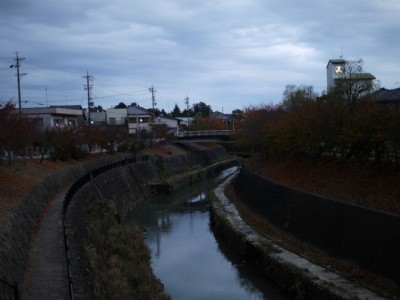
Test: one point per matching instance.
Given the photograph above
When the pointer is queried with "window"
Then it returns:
(72, 122)
(58, 122)
(111, 121)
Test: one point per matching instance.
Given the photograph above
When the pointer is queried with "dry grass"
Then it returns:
(369, 185)
(17, 179)
(365, 184)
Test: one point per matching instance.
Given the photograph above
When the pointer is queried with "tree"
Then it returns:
(294, 97)
(121, 105)
(237, 114)
(90, 135)
(176, 112)
(16, 132)
(354, 83)
(254, 130)
(208, 124)
(201, 109)
(99, 108)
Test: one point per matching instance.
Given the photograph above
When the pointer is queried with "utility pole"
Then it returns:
(187, 109)
(88, 88)
(19, 76)
(153, 101)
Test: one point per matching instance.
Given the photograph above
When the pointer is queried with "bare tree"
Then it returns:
(354, 83)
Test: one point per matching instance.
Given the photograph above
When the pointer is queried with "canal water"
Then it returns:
(186, 254)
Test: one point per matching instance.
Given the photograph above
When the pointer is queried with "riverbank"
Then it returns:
(330, 173)
(29, 200)
(296, 275)
(113, 261)
(374, 186)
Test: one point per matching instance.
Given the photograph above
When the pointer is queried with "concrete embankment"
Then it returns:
(365, 237)
(100, 258)
(294, 274)
(17, 235)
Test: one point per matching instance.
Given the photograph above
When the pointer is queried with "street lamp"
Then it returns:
(138, 128)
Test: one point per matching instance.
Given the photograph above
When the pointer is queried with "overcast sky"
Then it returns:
(227, 53)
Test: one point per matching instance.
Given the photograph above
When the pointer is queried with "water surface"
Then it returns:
(186, 255)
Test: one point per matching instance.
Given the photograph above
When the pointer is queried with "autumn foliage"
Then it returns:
(324, 126)
(19, 135)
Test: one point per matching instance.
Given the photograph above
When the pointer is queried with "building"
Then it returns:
(334, 71)
(55, 116)
(98, 118)
(387, 97)
(171, 124)
(139, 120)
(226, 119)
(186, 121)
(117, 116)
(337, 77)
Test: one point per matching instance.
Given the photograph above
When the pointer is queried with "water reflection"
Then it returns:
(186, 255)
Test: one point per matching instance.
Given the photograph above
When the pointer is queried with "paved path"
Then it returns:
(47, 275)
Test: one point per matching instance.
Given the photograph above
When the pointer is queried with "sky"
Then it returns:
(229, 54)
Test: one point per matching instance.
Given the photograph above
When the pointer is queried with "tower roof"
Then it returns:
(336, 61)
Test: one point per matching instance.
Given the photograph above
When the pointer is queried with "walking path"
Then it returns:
(47, 272)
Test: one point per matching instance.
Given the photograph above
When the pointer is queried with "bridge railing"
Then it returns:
(204, 133)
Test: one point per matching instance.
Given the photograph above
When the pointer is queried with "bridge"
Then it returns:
(205, 134)
(222, 137)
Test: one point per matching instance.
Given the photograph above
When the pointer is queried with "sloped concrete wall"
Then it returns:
(369, 238)
(17, 235)
(16, 238)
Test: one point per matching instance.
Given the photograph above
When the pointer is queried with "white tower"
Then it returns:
(334, 70)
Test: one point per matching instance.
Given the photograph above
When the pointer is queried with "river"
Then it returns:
(186, 254)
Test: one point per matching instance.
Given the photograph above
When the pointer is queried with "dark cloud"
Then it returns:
(227, 53)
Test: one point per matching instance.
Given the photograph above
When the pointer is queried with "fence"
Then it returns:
(8, 291)
(72, 190)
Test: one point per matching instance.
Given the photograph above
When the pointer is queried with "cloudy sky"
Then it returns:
(227, 53)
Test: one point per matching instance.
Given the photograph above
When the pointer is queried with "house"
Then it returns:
(98, 117)
(139, 120)
(55, 116)
(227, 119)
(388, 97)
(186, 121)
(117, 116)
(171, 123)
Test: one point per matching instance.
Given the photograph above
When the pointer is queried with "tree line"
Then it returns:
(332, 124)
(199, 109)
(19, 133)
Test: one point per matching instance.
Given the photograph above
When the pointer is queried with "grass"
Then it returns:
(119, 258)
(22, 175)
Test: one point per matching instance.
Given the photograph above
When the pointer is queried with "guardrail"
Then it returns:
(71, 192)
(204, 133)
(8, 291)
